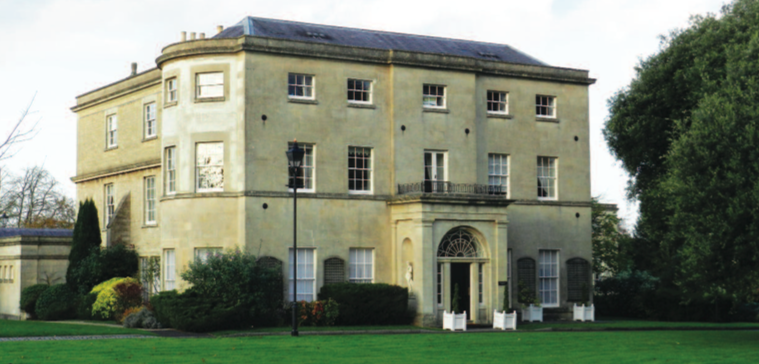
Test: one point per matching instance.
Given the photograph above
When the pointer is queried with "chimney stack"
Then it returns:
(192, 35)
(184, 36)
(219, 28)
(202, 35)
(134, 69)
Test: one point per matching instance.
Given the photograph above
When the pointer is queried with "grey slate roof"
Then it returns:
(306, 32)
(61, 233)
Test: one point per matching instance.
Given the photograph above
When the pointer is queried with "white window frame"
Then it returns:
(435, 165)
(547, 102)
(151, 210)
(172, 92)
(355, 90)
(109, 201)
(310, 149)
(169, 269)
(497, 174)
(542, 177)
(170, 185)
(549, 277)
(112, 131)
(481, 284)
(361, 265)
(151, 120)
(503, 99)
(199, 87)
(427, 96)
(203, 162)
(440, 285)
(203, 253)
(295, 84)
(368, 170)
(305, 276)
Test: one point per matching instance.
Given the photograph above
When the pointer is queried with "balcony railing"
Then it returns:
(451, 188)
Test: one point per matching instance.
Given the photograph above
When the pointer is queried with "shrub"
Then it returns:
(234, 278)
(128, 295)
(85, 241)
(317, 313)
(29, 297)
(84, 306)
(369, 303)
(103, 265)
(628, 294)
(57, 303)
(141, 319)
(195, 312)
(108, 303)
(131, 310)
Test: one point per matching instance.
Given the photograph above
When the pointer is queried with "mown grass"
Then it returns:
(320, 328)
(532, 347)
(13, 328)
(629, 324)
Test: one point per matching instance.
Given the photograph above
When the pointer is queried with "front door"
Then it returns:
(460, 277)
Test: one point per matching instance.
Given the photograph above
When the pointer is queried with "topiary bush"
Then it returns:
(29, 297)
(369, 303)
(109, 304)
(56, 303)
(192, 311)
(103, 265)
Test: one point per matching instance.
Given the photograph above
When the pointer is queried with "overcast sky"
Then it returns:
(62, 48)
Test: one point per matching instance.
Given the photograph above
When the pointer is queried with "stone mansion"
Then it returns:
(430, 162)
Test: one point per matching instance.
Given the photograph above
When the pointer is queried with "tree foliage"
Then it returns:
(86, 241)
(34, 200)
(607, 235)
(686, 131)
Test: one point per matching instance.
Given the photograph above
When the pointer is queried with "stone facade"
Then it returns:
(402, 225)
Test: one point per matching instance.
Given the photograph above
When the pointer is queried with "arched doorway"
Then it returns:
(460, 261)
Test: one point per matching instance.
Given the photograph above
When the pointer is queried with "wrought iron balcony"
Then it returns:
(446, 187)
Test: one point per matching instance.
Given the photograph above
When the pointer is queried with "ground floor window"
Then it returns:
(150, 276)
(169, 270)
(548, 274)
(361, 268)
(202, 254)
(306, 280)
(440, 284)
(479, 283)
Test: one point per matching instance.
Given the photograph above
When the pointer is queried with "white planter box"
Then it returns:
(532, 313)
(453, 322)
(583, 313)
(504, 321)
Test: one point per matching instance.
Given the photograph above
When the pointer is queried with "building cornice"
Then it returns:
(370, 55)
(140, 81)
(153, 163)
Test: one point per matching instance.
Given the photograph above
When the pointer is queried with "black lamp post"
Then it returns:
(294, 163)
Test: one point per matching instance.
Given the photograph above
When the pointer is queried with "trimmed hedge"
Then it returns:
(369, 303)
(57, 303)
(84, 306)
(194, 312)
(29, 297)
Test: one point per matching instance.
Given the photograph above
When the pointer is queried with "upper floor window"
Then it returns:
(150, 120)
(359, 91)
(150, 208)
(433, 96)
(308, 168)
(171, 170)
(545, 106)
(210, 167)
(498, 102)
(359, 169)
(110, 205)
(361, 267)
(498, 173)
(300, 86)
(209, 85)
(547, 177)
(171, 90)
(112, 130)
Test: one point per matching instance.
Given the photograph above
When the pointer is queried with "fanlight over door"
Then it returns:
(458, 243)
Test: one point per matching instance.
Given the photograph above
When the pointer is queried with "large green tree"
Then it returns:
(686, 132)
(86, 241)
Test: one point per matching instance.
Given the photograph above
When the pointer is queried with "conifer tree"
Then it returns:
(85, 241)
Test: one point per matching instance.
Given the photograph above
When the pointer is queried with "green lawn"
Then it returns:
(629, 324)
(322, 328)
(526, 347)
(13, 328)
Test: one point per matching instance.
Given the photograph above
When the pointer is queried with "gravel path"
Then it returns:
(83, 337)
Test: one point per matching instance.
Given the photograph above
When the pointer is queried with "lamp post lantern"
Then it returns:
(294, 163)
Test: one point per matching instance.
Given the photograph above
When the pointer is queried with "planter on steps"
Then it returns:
(532, 313)
(453, 321)
(584, 313)
(504, 321)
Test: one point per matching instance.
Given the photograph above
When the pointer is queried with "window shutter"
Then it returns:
(578, 272)
(334, 271)
(526, 274)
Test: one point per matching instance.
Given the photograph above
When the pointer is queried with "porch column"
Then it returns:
(500, 267)
(447, 283)
(474, 290)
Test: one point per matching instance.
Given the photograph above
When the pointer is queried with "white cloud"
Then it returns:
(64, 48)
